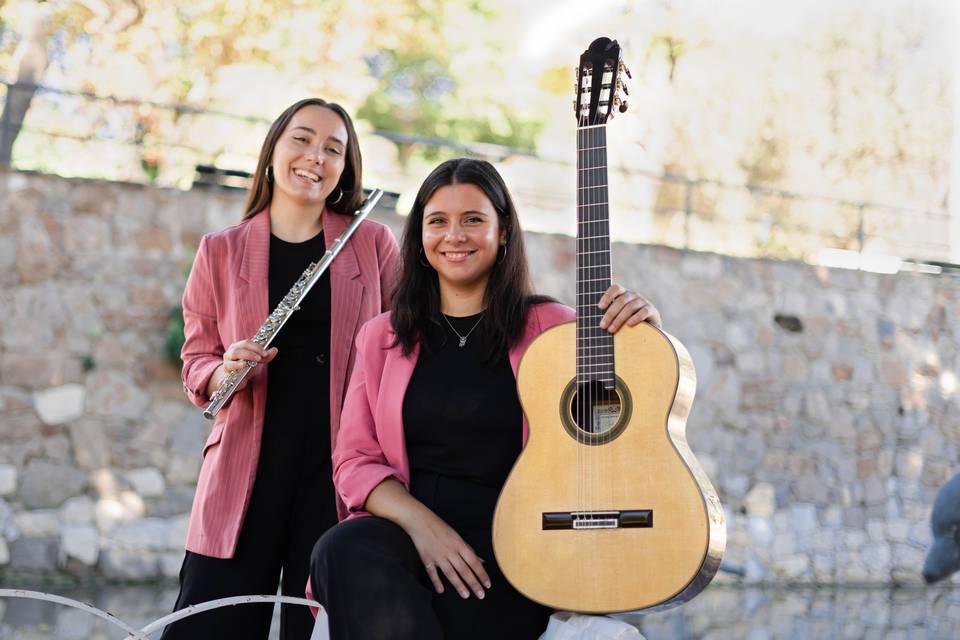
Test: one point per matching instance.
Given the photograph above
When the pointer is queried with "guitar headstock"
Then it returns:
(599, 83)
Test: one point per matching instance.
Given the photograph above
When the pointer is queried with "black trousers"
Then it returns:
(370, 579)
(291, 505)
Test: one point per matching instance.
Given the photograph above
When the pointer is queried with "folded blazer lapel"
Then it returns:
(346, 297)
(252, 299)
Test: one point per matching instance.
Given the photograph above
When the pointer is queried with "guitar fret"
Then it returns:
(595, 186)
(593, 204)
(599, 166)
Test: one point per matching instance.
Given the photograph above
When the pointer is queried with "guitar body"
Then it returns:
(642, 464)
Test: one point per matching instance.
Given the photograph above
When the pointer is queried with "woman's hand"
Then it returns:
(235, 358)
(443, 550)
(628, 307)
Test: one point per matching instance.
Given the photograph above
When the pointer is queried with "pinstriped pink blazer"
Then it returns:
(226, 300)
(371, 445)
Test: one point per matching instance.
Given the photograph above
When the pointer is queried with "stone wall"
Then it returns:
(827, 411)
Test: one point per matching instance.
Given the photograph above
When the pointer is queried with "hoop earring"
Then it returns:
(268, 173)
(423, 259)
(339, 197)
(503, 256)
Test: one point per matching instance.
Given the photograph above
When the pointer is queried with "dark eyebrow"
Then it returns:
(474, 211)
(308, 129)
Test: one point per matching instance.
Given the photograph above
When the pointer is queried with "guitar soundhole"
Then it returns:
(593, 414)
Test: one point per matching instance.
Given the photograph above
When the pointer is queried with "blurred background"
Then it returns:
(780, 186)
(756, 128)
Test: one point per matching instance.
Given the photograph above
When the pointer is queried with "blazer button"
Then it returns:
(321, 359)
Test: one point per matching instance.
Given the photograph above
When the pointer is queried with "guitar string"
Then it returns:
(580, 319)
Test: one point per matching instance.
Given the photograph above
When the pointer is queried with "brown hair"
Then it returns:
(261, 191)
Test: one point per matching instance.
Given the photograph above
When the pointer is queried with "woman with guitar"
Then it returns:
(432, 424)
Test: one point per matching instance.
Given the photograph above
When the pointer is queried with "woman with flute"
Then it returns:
(433, 424)
(265, 489)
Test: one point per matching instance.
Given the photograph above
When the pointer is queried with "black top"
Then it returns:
(461, 417)
(298, 379)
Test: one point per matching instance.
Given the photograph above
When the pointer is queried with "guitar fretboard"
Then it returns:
(594, 345)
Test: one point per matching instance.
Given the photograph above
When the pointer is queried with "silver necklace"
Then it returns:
(463, 339)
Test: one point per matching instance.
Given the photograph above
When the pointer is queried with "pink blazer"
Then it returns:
(371, 447)
(226, 300)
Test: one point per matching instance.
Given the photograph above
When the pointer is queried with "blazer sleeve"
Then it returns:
(359, 463)
(202, 350)
(389, 262)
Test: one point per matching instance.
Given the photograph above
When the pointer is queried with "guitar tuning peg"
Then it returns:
(623, 106)
(625, 90)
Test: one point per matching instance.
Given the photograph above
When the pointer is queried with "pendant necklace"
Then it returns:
(463, 339)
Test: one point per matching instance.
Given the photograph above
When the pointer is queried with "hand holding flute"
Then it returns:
(236, 357)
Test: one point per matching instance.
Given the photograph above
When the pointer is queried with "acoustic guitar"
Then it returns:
(607, 509)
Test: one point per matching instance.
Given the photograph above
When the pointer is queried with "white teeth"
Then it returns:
(307, 175)
(458, 254)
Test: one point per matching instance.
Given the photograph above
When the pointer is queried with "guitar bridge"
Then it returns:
(632, 519)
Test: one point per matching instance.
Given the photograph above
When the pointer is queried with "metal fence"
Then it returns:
(180, 145)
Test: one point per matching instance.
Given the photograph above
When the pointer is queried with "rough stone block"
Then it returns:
(45, 484)
(77, 510)
(34, 554)
(37, 370)
(128, 565)
(147, 534)
(60, 404)
(761, 500)
(113, 393)
(123, 507)
(148, 482)
(81, 542)
(91, 448)
(37, 254)
(43, 523)
(8, 479)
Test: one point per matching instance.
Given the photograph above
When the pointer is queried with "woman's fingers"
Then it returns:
(647, 313)
(453, 576)
(434, 577)
(621, 308)
(476, 565)
(610, 295)
(626, 307)
(467, 574)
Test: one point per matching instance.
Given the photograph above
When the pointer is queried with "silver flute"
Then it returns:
(290, 303)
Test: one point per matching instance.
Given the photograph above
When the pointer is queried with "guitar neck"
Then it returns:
(594, 345)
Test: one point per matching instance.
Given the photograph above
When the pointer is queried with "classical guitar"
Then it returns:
(607, 509)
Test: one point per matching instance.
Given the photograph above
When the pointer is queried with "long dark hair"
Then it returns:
(261, 191)
(508, 296)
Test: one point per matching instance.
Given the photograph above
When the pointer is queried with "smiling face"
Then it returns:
(461, 236)
(309, 157)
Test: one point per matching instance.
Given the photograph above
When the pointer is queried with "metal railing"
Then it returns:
(320, 632)
(179, 145)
